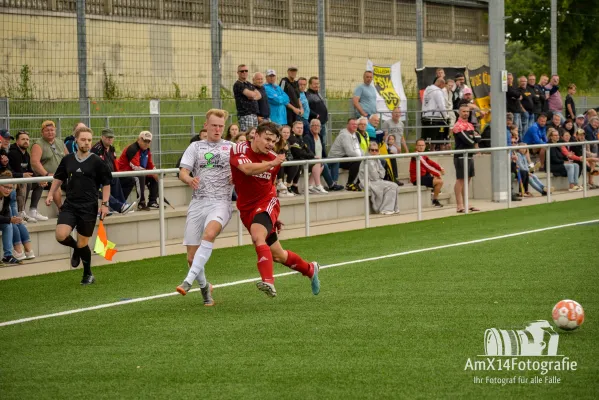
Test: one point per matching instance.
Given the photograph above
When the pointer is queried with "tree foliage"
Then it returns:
(529, 39)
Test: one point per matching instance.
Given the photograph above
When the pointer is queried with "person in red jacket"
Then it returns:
(138, 157)
(430, 172)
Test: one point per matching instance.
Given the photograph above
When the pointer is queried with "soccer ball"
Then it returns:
(568, 315)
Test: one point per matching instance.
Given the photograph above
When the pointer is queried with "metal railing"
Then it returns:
(306, 167)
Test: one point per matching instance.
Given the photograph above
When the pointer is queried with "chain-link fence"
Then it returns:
(163, 48)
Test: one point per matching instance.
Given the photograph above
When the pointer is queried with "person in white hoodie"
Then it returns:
(434, 115)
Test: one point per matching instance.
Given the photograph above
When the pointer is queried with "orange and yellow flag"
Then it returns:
(103, 247)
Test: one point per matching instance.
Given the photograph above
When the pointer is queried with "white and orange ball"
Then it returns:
(568, 315)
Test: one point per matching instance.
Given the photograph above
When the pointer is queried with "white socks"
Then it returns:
(196, 272)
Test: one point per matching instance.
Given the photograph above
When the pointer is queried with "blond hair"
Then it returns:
(82, 129)
(217, 113)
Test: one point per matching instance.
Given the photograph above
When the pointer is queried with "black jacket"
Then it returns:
(557, 159)
(538, 98)
(18, 161)
(309, 141)
(5, 211)
(527, 98)
(263, 106)
(299, 149)
(513, 100)
(292, 90)
(108, 156)
(318, 106)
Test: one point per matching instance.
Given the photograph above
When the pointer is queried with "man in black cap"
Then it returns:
(291, 87)
(106, 151)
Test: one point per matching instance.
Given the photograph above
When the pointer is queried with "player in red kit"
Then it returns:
(254, 167)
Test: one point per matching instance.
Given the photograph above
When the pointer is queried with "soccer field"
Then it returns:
(402, 326)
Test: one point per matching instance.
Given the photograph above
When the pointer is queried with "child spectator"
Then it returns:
(282, 147)
(430, 172)
(13, 231)
(527, 173)
(299, 151)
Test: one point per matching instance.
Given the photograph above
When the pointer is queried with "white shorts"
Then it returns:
(199, 214)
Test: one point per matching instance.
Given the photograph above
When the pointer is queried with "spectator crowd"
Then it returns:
(537, 114)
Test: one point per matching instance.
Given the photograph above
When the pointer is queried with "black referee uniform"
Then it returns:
(80, 209)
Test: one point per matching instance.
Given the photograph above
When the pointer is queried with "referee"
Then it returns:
(84, 173)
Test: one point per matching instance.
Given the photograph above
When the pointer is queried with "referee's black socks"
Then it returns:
(86, 258)
(69, 242)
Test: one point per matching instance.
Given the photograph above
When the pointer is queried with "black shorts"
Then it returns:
(459, 167)
(435, 130)
(264, 220)
(426, 180)
(85, 222)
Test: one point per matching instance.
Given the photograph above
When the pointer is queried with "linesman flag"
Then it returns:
(103, 247)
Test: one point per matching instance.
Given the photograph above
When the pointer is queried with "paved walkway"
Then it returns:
(152, 249)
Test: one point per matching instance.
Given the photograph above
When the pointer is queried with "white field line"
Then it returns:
(240, 282)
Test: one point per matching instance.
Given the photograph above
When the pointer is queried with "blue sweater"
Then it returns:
(277, 100)
(536, 134)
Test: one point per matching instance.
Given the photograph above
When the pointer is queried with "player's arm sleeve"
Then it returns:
(61, 171)
(188, 160)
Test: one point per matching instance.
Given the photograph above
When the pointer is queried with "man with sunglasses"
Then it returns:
(254, 166)
(246, 99)
(138, 157)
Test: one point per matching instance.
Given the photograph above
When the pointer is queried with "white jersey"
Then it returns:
(210, 162)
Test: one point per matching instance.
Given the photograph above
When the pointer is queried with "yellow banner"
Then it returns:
(384, 86)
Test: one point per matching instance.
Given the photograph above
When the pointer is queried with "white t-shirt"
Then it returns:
(210, 162)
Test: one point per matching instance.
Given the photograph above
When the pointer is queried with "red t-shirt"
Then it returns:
(252, 190)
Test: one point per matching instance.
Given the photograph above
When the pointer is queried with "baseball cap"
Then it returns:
(467, 90)
(292, 68)
(270, 72)
(107, 132)
(580, 116)
(145, 135)
(47, 123)
(5, 134)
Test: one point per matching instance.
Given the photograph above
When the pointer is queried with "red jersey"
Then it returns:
(252, 190)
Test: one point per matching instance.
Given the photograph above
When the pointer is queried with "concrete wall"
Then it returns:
(145, 57)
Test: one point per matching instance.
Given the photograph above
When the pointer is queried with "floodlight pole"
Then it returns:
(499, 163)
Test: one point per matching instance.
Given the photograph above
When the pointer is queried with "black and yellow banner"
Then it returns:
(384, 86)
(480, 83)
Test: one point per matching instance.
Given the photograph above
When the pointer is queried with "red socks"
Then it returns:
(265, 263)
(298, 264)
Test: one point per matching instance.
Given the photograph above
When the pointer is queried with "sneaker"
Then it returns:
(516, 198)
(312, 189)
(19, 256)
(336, 188)
(320, 189)
(27, 218)
(352, 187)
(573, 189)
(294, 189)
(29, 255)
(315, 282)
(142, 206)
(10, 260)
(128, 207)
(75, 259)
(88, 280)
(436, 203)
(387, 212)
(267, 288)
(281, 186)
(396, 212)
(183, 288)
(36, 215)
(154, 206)
(207, 295)
(286, 194)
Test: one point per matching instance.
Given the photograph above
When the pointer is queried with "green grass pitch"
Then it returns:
(400, 327)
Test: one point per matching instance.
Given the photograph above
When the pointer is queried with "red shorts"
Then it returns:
(272, 207)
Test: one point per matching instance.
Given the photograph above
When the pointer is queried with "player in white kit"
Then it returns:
(210, 208)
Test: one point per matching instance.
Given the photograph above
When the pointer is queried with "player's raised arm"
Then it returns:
(267, 135)
(251, 168)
